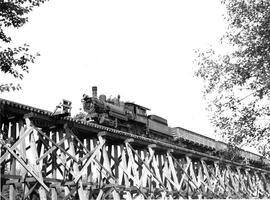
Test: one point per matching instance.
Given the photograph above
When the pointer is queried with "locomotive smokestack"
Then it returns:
(94, 91)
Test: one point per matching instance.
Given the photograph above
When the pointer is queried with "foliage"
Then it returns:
(81, 116)
(237, 82)
(14, 61)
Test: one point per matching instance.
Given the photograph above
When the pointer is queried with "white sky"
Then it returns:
(142, 50)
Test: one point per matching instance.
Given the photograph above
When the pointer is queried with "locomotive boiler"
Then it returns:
(126, 116)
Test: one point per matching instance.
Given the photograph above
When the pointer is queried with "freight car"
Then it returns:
(126, 116)
(210, 145)
(190, 137)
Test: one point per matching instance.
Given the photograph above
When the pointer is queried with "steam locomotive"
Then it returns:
(126, 116)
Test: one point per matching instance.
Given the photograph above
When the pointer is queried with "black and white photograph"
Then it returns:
(136, 100)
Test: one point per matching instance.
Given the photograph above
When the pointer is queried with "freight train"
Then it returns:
(131, 117)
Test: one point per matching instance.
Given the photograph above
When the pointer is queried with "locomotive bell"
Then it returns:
(94, 91)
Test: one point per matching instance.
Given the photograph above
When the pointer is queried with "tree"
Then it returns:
(14, 61)
(237, 82)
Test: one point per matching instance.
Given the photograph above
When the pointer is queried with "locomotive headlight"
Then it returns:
(84, 98)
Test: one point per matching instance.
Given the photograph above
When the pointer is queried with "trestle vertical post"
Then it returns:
(12, 190)
(76, 170)
(23, 150)
(54, 168)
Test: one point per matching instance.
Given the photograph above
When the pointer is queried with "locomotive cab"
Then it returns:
(138, 111)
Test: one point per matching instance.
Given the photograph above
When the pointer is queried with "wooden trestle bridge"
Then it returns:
(48, 157)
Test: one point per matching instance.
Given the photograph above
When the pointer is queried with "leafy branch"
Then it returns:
(15, 61)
